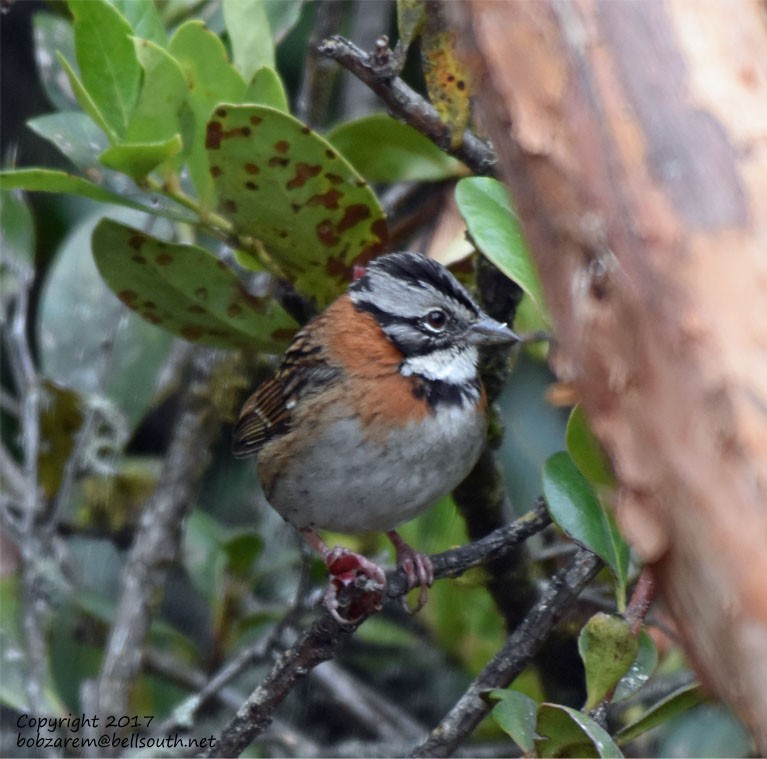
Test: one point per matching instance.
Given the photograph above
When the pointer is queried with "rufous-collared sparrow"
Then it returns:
(376, 411)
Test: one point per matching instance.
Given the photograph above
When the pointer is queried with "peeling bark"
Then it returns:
(633, 138)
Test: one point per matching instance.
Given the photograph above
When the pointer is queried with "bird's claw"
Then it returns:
(364, 579)
(417, 568)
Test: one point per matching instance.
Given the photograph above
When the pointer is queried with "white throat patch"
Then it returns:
(454, 365)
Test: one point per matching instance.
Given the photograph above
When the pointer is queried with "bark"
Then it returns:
(633, 138)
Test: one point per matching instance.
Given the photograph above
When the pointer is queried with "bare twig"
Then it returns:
(34, 608)
(157, 538)
(326, 636)
(366, 706)
(513, 657)
(377, 72)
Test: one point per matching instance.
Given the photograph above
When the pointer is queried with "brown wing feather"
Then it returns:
(263, 416)
(267, 413)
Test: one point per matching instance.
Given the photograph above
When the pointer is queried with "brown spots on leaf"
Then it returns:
(333, 178)
(216, 171)
(222, 113)
(277, 160)
(201, 293)
(337, 268)
(251, 185)
(251, 168)
(255, 120)
(306, 130)
(195, 308)
(221, 264)
(353, 215)
(229, 205)
(304, 172)
(282, 146)
(234, 309)
(295, 207)
(283, 334)
(150, 305)
(151, 317)
(136, 241)
(361, 183)
(139, 259)
(163, 259)
(327, 199)
(192, 331)
(326, 233)
(331, 154)
(380, 229)
(128, 297)
(214, 132)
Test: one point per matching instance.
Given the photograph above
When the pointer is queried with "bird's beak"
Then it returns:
(488, 331)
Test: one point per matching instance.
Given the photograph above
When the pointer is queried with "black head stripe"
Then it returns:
(417, 271)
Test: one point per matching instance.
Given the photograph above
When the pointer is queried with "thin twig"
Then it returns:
(157, 539)
(27, 382)
(326, 636)
(377, 72)
(513, 657)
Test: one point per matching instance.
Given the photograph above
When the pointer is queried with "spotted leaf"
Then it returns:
(187, 291)
(447, 79)
(283, 184)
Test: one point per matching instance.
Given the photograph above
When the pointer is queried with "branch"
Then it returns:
(513, 657)
(157, 538)
(376, 72)
(326, 636)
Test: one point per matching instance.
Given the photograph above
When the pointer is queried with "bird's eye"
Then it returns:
(436, 318)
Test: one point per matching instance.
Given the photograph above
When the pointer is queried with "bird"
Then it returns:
(375, 412)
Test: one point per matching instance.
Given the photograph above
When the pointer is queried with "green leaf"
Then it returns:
(564, 731)
(139, 159)
(576, 509)
(74, 134)
(87, 103)
(266, 88)
(53, 35)
(156, 117)
(48, 180)
(516, 713)
(143, 18)
(283, 184)
(17, 232)
(586, 450)
(385, 150)
(248, 26)
(283, 16)
(78, 317)
(108, 65)
(608, 649)
(675, 703)
(242, 551)
(211, 80)
(186, 290)
(203, 558)
(640, 670)
(485, 206)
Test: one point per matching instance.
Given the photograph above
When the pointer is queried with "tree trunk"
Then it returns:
(633, 137)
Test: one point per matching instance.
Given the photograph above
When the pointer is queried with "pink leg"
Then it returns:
(417, 566)
(348, 569)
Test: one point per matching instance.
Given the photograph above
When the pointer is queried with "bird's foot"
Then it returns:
(355, 580)
(417, 567)
(353, 572)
